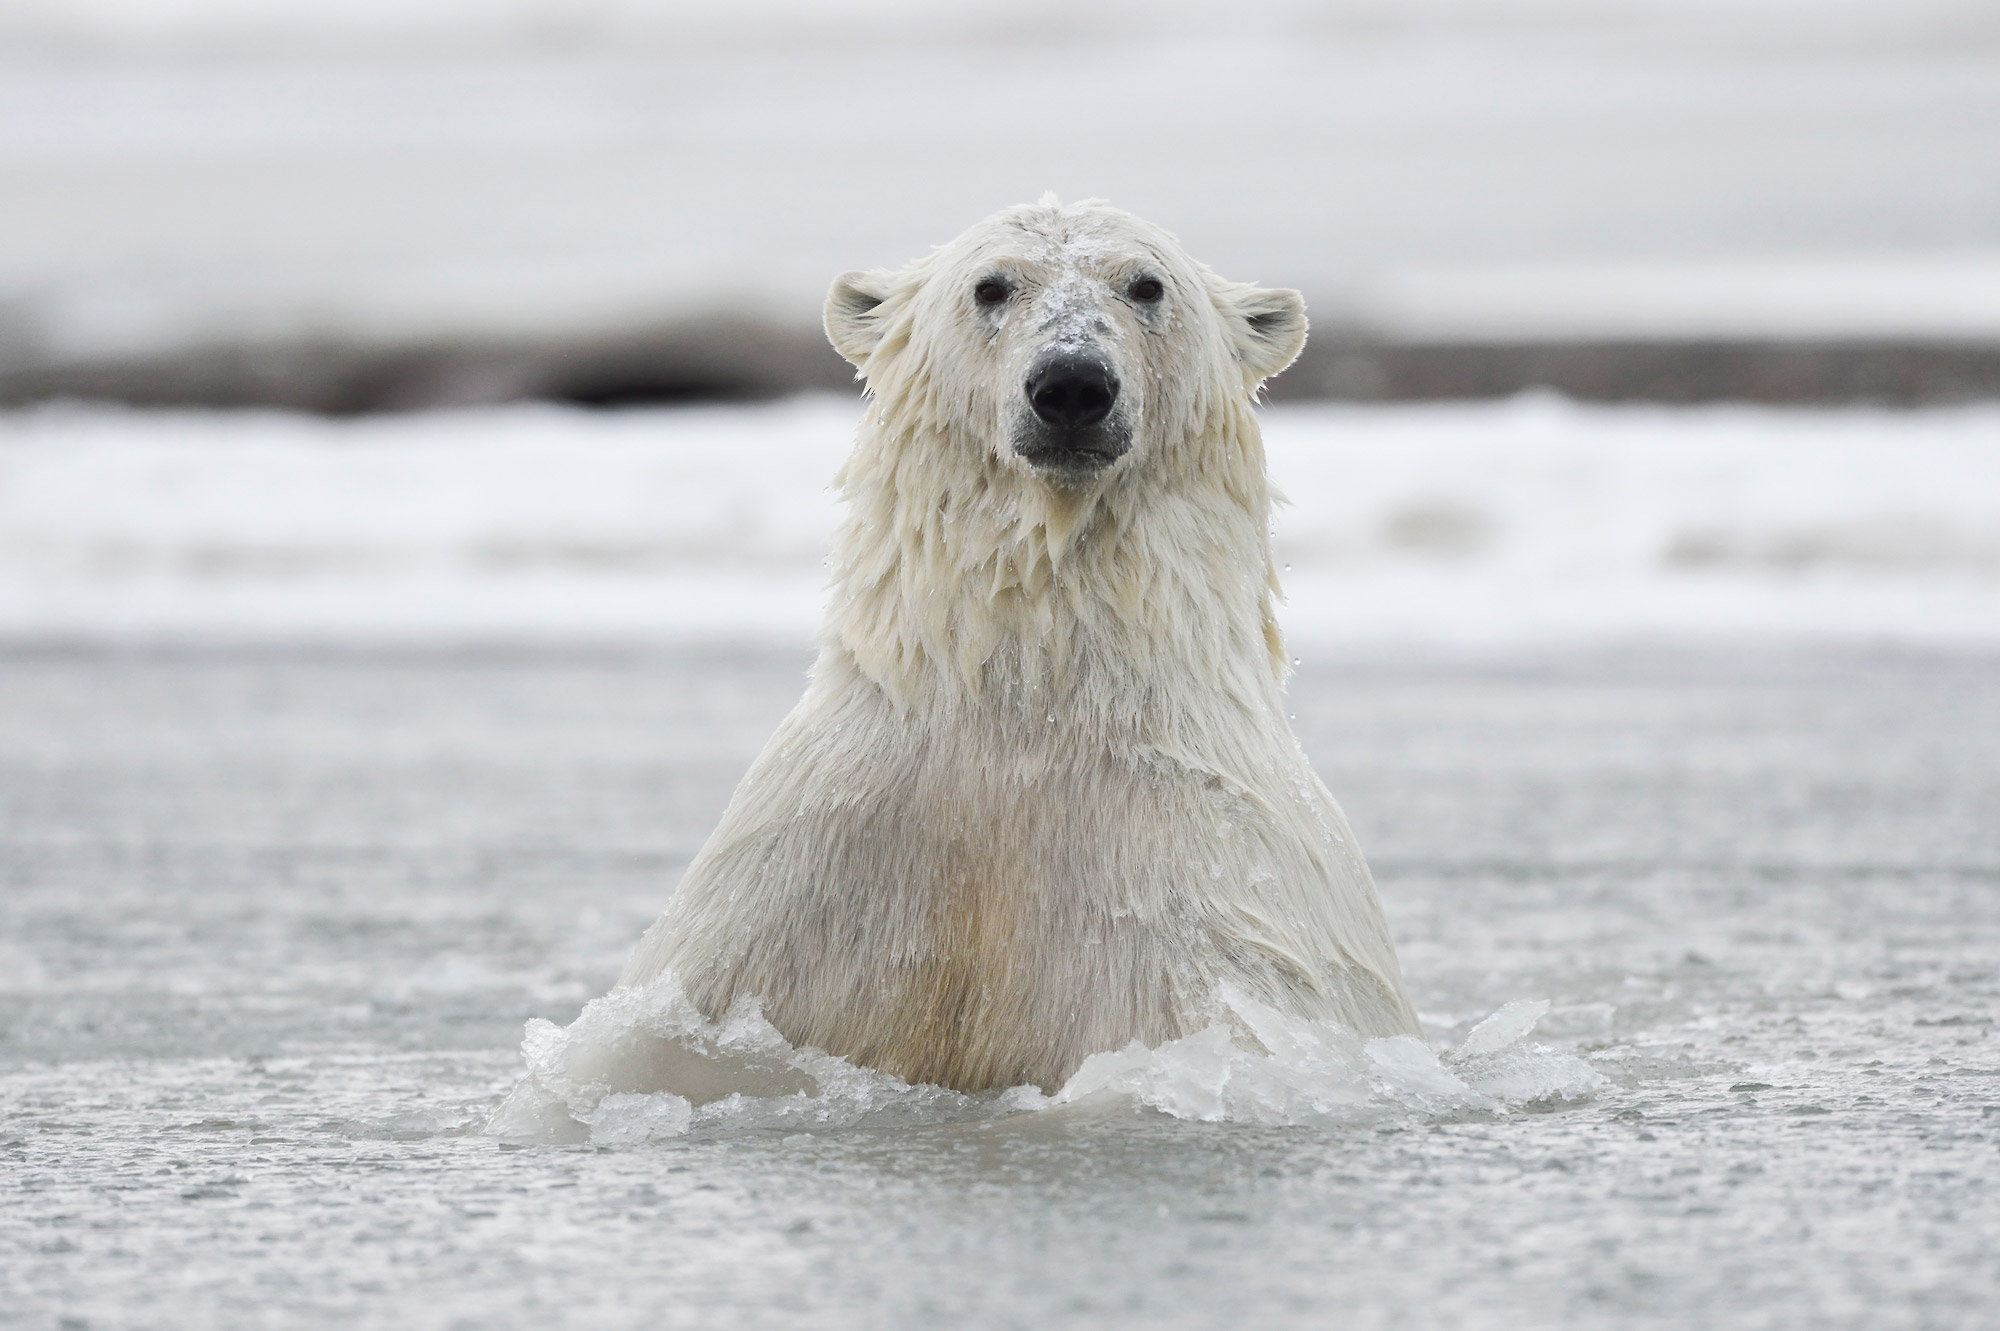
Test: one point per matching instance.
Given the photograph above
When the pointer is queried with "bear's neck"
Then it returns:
(962, 582)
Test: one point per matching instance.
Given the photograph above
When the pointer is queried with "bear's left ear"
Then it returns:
(853, 315)
(1267, 325)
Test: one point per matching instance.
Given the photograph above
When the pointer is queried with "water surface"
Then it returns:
(271, 922)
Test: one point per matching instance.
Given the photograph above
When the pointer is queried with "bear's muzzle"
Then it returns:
(1072, 429)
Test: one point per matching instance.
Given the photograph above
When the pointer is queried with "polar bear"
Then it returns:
(1040, 798)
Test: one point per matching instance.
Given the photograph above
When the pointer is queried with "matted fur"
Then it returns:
(1040, 798)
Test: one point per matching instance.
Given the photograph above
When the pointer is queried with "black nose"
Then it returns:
(1071, 392)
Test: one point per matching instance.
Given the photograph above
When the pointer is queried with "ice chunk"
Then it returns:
(1406, 1066)
(1261, 1066)
(644, 1065)
(1511, 1023)
(1531, 1076)
(630, 1120)
(1496, 1063)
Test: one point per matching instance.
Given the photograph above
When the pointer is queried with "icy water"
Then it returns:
(271, 924)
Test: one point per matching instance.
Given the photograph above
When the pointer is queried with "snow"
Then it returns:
(1530, 521)
(1948, 296)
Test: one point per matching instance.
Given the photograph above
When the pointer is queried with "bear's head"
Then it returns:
(1070, 344)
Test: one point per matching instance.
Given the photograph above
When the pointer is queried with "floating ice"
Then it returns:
(642, 1065)
(1504, 1027)
(1308, 1071)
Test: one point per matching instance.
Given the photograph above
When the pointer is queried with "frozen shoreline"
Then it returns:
(1534, 521)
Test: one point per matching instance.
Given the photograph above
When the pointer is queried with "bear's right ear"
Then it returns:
(853, 314)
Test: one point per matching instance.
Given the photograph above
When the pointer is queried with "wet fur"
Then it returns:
(1040, 798)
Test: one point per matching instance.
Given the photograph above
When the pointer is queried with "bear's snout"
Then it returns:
(1072, 430)
(1070, 391)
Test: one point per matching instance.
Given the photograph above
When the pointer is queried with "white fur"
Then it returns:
(1040, 798)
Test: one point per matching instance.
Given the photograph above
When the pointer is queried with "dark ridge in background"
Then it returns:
(1884, 373)
(684, 362)
(734, 361)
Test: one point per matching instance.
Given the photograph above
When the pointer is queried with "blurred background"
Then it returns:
(342, 214)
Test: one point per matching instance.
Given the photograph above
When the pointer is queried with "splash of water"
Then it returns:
(643, 1064)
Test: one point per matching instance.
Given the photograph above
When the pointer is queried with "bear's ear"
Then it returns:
(1266, 324)
(853, 314)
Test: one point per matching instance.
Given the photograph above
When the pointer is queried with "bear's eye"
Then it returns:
(1146, 290)
(990, 292)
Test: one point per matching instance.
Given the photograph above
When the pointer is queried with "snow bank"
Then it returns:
(1951, 296)
(1531, 521)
